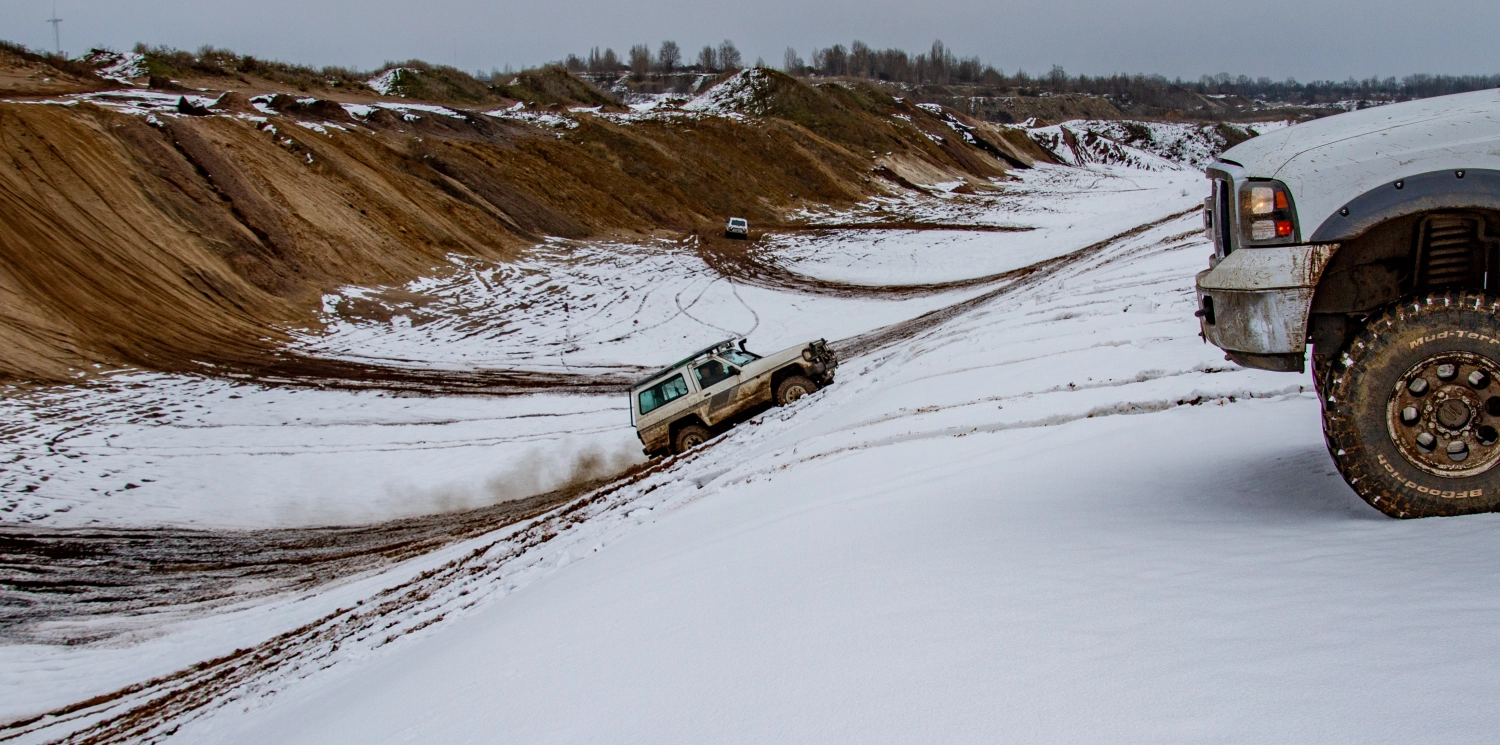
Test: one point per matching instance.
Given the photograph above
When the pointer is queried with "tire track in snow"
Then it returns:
(498, 562)
(1122, 408)
(1025, 278)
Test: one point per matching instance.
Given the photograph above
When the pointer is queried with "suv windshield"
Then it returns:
(739, 357)
(652, 398)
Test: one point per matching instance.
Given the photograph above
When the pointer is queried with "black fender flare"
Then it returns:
(1466, 188)
(684, 421)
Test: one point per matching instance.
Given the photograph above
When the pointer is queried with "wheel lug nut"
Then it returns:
(1425, 441)
(1447, 371)
(1478, 379)
(1418, 387)
(1409, 415)
(1458, 450)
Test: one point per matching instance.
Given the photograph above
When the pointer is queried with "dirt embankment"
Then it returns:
(26, 73)
(185, 243)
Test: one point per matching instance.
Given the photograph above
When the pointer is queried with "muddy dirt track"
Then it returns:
(747, 262)
(303, 371)
(872, 341)
(61, 580)
(152, 710)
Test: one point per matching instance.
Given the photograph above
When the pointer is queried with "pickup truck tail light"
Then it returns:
(1266, 214)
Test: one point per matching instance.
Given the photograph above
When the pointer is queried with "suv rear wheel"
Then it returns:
(689, 437)
(1412, 407)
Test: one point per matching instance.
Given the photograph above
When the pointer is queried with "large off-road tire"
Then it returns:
(793, 388)
(689, 437)
(1411, 408)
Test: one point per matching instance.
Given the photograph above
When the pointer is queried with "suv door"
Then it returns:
(718, 381)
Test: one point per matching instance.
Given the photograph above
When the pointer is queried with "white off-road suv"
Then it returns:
(680, 406)
(1374, 236)
(737, 227)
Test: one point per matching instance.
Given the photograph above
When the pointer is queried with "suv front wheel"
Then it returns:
(1412, 407)
(793, 388)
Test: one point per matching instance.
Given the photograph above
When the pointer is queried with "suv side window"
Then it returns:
(668, 390)
(713, 371)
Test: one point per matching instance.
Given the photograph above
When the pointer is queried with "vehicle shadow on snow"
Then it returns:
(1295, 483)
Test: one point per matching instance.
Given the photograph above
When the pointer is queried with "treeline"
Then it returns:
(1324, 91)
(940, 66)
(668, 58)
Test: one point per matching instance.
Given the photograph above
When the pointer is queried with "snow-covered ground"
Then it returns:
(575, 307)
(1054, 210)
(149, 450)
(1056, 517)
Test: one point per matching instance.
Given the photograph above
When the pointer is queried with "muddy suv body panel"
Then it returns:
(719, 386)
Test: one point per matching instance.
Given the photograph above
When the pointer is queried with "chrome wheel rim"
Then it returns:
(1444, 415)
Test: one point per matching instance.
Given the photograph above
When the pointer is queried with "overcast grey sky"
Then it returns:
(1305, 39)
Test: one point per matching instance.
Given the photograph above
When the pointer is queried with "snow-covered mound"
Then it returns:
(1187, 144)
(744, 92)
(121, 67)
(388, 83)
(1083, 146)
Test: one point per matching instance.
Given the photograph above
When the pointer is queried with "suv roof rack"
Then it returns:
(700, 353)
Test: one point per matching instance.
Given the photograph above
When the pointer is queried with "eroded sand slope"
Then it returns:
(138, 234)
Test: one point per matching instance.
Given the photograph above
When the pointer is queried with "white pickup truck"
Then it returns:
(1374, 237)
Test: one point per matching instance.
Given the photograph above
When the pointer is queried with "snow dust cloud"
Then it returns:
(548, 469)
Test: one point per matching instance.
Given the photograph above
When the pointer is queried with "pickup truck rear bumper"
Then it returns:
(1254, 304)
